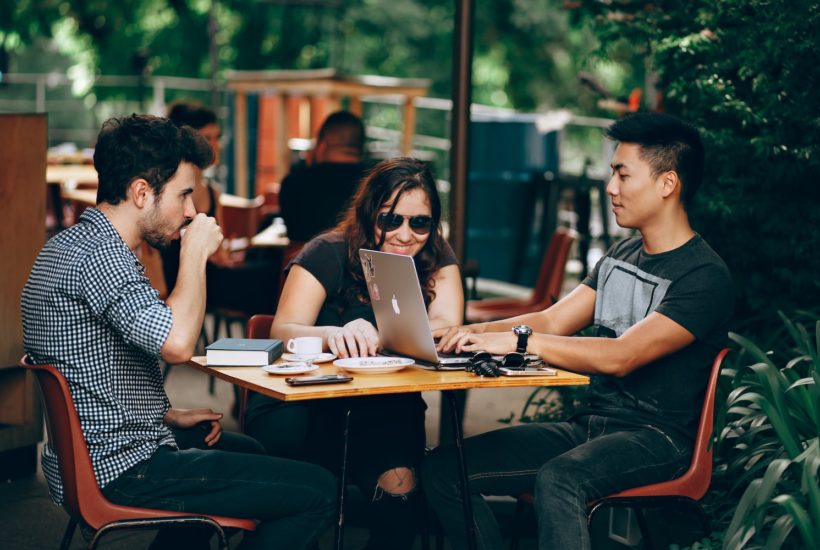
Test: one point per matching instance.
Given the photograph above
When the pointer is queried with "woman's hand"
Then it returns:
(358, 338)
(189, 418)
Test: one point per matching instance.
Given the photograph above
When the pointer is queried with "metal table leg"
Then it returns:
(340, 521)
(462, 469)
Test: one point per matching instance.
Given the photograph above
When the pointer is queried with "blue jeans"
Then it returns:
(565, 464)
(294, 501)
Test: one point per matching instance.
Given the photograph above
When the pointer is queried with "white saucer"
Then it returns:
(290, 368)
(373, 365)
(312, 357)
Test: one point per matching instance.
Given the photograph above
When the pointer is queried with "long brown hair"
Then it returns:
(359, 223)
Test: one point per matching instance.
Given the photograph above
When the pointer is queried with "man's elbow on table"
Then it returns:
(176, 350)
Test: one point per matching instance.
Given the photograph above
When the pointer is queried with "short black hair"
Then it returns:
(144, 146)
(343, 129)
(191, 113)
(667, 143)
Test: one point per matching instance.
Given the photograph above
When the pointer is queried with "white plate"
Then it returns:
(373, 365)
(313, 357)
(290, 368)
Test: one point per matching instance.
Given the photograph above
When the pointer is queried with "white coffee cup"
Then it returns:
(305, 345)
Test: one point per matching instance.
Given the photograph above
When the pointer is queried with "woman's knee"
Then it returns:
(398, 481)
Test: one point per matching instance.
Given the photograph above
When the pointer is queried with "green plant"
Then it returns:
(549, 404)
(768, 443)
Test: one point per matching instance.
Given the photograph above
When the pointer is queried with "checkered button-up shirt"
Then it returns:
(89, 310)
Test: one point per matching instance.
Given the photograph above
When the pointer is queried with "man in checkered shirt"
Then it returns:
(89, 309)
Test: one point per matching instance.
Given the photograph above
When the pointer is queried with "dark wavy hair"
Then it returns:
(144, 146)
(359, 223)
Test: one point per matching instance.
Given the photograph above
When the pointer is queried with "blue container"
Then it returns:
(508, 158)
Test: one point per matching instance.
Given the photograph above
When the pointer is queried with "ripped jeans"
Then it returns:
(565, 464)
(386, 432)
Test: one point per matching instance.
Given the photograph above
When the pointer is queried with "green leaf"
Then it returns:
(770, 479)
(811, 536)
(752, 348)
(779, 531)
(737, 530)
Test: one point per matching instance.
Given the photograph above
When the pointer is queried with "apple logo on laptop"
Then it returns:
(395, 305)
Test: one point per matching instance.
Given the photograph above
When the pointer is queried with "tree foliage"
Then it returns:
(745, 72)
(526, 54)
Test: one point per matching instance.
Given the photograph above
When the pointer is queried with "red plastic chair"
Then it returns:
(258, 327)
(684, 491)
(547, 286)
(82, 498)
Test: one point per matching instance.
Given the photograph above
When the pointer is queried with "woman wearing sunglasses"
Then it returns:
(396, 209)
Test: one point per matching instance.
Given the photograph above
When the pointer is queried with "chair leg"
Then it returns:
(643, 527)
(518, 523)
(69, 533)
(217, 323)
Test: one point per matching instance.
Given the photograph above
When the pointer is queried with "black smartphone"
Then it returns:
(312, 380)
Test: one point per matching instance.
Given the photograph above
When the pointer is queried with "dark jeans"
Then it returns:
(386, 432)
(294, 501)
(565, 464)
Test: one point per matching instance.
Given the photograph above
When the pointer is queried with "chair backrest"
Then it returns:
(553, 265)
(695, 482)
(81, 494)
(259, 326)
(82, 497)
(240, 216)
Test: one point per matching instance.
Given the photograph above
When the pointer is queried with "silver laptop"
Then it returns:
(401, 316)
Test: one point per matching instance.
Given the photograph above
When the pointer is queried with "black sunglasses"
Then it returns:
(418, 224)
(512, 360)
(483, 364)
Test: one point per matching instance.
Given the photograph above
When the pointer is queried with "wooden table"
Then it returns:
(69, 175)
(87, 197)
(411, 379)
(270, 237)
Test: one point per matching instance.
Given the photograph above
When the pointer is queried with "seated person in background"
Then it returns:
(660, 303)
(206, 191)
(313, 197)
(89, 310)
(243, 286)
(396, 209)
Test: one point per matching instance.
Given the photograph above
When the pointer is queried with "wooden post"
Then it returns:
(240, 151)
(409, 127)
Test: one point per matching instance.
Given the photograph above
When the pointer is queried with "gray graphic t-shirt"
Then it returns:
(692, 286)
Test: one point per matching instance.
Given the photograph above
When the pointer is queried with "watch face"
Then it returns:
(522, 329)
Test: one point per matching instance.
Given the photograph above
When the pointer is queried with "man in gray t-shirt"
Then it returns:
(659, 305)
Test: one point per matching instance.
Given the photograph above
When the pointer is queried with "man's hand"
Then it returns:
(496, 343)
(449, 337)
(202, 235)
(189, 418)
(358, 338)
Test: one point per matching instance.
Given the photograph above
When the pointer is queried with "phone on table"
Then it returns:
(527, 371)
(313, 380)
